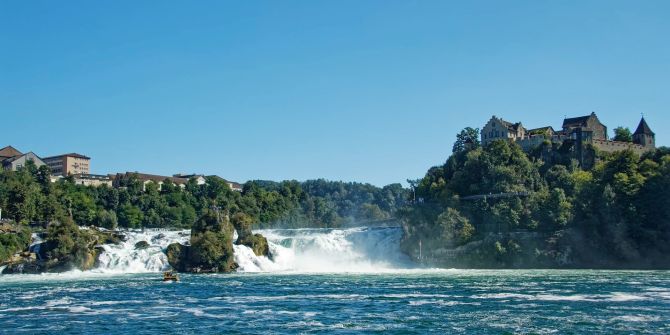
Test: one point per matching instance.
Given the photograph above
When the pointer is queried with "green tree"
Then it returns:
(106, 219)
(466, 136)
(455, 228)
(558, 209)
(130, 216)
(622, 134)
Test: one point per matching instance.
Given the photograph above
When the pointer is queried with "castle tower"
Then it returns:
(644, 136)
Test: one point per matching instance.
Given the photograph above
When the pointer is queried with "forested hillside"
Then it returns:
(542, 209)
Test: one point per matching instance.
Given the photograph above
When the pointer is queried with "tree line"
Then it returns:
(28, 196)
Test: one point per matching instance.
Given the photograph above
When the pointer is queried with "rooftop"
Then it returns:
(153, 177)
(577, 121)
(72, 154)
(9, 151)
(643, 128)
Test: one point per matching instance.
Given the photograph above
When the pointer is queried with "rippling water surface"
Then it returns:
(413, 301)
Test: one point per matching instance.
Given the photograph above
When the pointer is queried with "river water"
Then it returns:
(329, 281)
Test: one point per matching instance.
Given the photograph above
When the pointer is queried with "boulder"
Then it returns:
(257, 242)
(157, 238)
(211, 246)
(177, 255)
(141, 245)
(104, 236)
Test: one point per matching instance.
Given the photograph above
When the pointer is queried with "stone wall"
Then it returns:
(612, 146)
(599, 129)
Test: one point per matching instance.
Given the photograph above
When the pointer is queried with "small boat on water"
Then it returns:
(170, 276)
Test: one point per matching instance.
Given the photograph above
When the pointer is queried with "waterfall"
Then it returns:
(126, 258)
(292, 250)
(35, 245)
(327, 250)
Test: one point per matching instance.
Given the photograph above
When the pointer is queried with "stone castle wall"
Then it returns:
(612, 146)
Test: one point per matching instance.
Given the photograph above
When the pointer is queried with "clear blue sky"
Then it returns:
(370, 91)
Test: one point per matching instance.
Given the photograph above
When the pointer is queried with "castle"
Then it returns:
(579, 130)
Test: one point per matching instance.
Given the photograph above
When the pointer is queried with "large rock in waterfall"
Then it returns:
(66, 247)
(211, 248)
(257, 242)
(177, 255)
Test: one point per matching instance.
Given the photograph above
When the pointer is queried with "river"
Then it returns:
(329, 281)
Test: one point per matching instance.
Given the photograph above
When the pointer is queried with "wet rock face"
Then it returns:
(66, 248)
(141, 245)
(257, 242)
(177, 256)
(211, 248)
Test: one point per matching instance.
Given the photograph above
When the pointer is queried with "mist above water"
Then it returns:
(327, 250)
(292, 250)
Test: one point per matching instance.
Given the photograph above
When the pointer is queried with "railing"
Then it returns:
(496, 195)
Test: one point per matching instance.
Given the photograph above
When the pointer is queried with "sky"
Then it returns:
(368, 91)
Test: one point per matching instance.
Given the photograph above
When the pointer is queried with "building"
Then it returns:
(13, 159)
(199, 179)
(92, 179)
(122, 179)
(9, 152)
(644, 136)
(579, 130)
(537, 136)
(237, 187)
(68, 164)
(497, 129)
(585, 128)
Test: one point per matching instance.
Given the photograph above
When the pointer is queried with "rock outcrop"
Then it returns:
(177, 255)
(257, 242)
(211, 248)
(14, 238)
(66, 247)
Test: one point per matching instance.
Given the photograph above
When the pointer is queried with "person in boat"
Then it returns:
(170, 276)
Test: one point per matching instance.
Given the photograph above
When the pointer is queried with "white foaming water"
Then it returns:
(35, 245)
(126, 258)
(367, 250)
(327, 250)
(292, 250)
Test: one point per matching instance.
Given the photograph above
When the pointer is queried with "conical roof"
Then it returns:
(643, 128)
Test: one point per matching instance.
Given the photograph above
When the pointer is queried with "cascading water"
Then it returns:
(35, 245)
(127, 258)
(327, 250)
(293, 250)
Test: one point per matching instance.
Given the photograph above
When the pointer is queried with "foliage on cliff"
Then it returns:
(211, 247)
(257, 242)
(28, 196)
(616, 214)
(13, 238)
